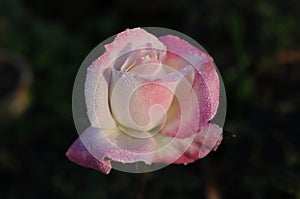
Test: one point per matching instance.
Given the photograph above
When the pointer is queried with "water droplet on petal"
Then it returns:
(146, 58)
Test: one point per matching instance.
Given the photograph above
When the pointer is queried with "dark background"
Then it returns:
(255, 45)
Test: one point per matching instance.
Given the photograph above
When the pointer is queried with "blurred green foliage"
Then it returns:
(255, 45)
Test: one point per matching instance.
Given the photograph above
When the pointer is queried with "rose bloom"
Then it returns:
(148, 100)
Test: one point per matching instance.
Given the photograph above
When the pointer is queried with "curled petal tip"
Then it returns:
(77, 153)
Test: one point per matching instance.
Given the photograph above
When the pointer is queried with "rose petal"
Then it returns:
(96, 96)
(183, 151)
(129, 41)
(183, 116)
(96, 148)
(193, 110)
(140, 103)
(80, 155)
(202, 62)
(98, 77)
(175, 61)
(143, 55)
(207, 140)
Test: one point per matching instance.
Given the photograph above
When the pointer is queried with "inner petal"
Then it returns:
(149, 103)
(140, 103)
(98, 76)
(143, 55)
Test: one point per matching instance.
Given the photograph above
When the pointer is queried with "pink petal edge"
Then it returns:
(188, 150)
(206, 88)
(202, 62)
(95, 149)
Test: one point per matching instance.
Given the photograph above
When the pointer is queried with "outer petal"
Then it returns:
(96, 148)
(198, 59)
(98, 77)
(191, 111)
(207, 140)
(183, 151)
(184, 114)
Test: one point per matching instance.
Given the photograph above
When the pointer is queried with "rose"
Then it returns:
(148, 100)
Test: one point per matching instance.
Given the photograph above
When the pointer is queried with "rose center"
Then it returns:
(142, 134)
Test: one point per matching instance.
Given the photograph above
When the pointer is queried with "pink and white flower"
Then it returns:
(148, 100)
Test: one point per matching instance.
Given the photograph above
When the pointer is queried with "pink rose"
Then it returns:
(148, 100)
